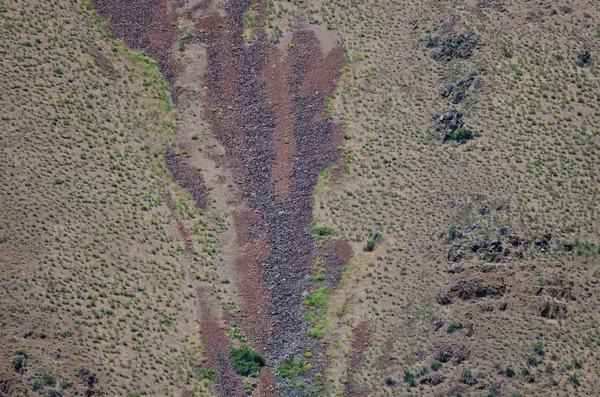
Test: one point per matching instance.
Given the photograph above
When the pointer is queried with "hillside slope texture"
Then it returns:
(300, 198)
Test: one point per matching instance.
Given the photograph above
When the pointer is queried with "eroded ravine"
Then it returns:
(264, 104)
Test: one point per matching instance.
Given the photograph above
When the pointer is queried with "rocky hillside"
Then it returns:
(300, 198)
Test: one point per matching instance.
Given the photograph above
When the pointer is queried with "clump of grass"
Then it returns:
(322, 230)
(453, 327)
(290, 368)
(452, 235)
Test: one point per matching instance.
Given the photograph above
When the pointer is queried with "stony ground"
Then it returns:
(379, 197)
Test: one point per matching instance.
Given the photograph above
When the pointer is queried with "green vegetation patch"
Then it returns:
(461, 135)
(322, 231)
(245, 361)
(290, 368)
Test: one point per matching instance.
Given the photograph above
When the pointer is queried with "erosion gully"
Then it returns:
(265, 106)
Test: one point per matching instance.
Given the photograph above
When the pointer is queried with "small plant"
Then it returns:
(65, 384)
(290, 368)
(54, 393)
(466, 377)
(574, 380)
(532, 361)
(322, 230)
(453, 327)
(208, 373)
(538, 348)
(461, 135)
(452, 235)
(245, 361)
(49, 379)
(389, 381)
(249, 387)
(409, 378)
(436, 365)
(37, 385)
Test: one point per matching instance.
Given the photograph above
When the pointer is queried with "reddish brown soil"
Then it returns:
(277, 74)
(228, 383)
(360, 341)
(333, 256)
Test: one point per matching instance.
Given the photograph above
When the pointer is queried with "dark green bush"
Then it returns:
(37, 385)
(369, 246)
(453, 234)
(409, 378)
(574, 380)
(466, 377)
(461, 135)
(208, 373)
(538, 348)
(49, 379)
(245, 361)
(389, 381)
(322, 230)
(435, 365)
(454, 327)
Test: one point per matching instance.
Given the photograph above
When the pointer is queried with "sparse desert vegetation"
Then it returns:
(156, 235)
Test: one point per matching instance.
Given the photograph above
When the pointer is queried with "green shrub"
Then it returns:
(316, 333)
(454, 327)
(574, 379)
(245, 361)
(453, 234)
(208, 373)
(461, 135)
(466, 377)
(65, 384)
(435, 365)
(316, 298)
(532, 361)
(49, 379)
(409, 378)
(369, 246)
(389, 381)
(322, 230)
(290, 368)
(37, 385)
(538, 348)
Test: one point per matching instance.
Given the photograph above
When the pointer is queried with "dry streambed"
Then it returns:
(264, 105)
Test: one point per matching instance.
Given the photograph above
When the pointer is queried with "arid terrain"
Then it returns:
(299, 198)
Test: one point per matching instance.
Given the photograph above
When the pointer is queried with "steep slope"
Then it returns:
(483, 275)
(97, 286)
